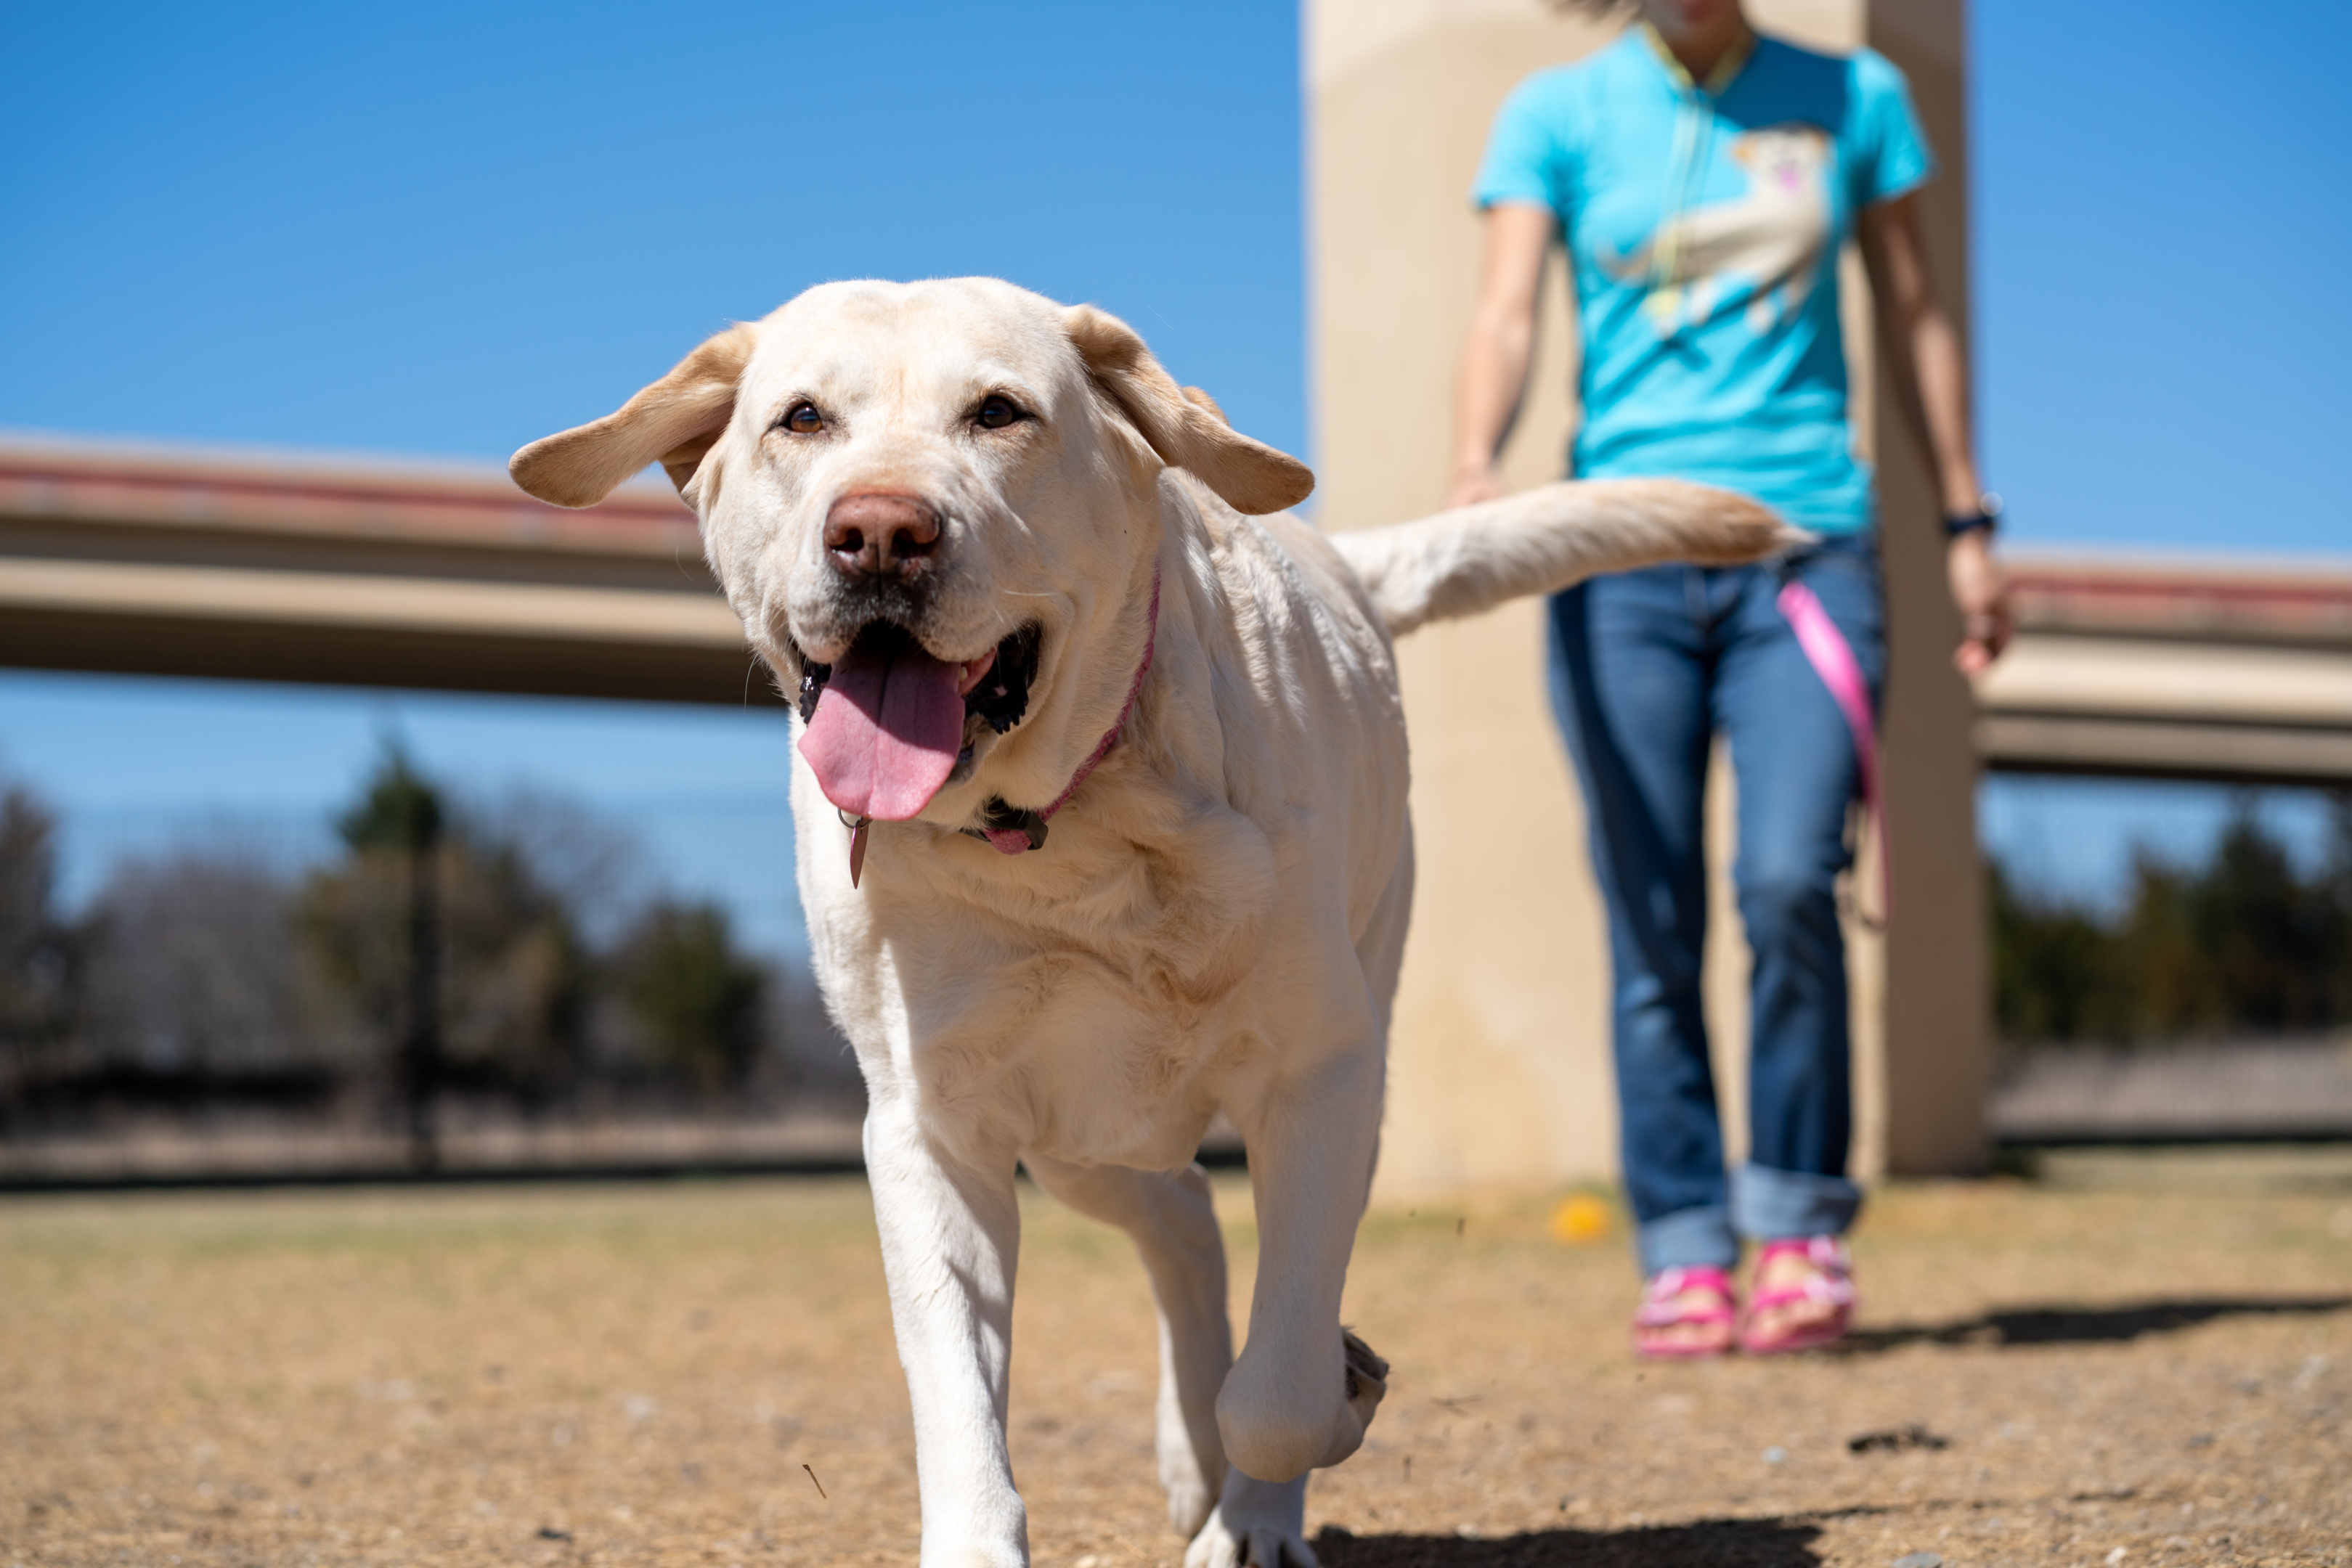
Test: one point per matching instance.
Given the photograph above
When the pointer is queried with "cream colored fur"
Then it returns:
(1217, 918)
(1460, 563)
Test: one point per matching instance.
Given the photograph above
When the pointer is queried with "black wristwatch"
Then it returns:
(1986, 517)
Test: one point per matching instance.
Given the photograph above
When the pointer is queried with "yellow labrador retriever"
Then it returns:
(1102, 826)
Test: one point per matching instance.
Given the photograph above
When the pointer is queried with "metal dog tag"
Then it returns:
(857, 848)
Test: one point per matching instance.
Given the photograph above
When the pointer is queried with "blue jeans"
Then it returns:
(1646, 667)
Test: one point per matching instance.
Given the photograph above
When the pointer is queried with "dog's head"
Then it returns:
(936, 505)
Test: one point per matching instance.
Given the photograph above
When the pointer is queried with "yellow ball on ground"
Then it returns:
(1579, 1220)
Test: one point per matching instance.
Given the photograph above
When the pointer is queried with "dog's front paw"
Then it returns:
(1368, 1376)
(1256, 1524)
(1367, 1386)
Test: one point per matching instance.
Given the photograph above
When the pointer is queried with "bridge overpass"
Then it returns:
(173, 562)
(256, 566)
(2175, 667)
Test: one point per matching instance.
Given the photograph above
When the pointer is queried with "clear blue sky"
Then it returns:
(448, 229)
(2163, 221)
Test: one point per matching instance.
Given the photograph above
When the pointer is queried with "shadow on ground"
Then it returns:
(1709, 1544)
(2087, 1325)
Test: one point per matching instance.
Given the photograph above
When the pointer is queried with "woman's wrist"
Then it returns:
(1973, 518)
(1473, 481)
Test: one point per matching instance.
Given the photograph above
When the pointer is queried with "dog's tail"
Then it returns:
(1462, 562)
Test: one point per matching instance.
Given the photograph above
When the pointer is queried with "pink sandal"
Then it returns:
(1830, 1284)
(1662, 1308)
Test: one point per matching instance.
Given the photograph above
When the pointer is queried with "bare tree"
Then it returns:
(38, 950)
(193, 971)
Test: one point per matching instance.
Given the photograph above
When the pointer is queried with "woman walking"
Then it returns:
(1703, 180)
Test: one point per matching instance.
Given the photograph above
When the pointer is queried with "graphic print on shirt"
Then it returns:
(1766, 246)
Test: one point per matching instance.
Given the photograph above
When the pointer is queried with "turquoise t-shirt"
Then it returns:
(1703, 230)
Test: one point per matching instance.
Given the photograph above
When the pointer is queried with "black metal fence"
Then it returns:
(429, 981)
(2171, 961)
(425, 982)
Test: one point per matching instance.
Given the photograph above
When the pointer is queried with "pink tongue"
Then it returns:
(886, 733)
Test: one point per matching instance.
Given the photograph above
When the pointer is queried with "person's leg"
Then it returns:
(1794, 759)
(1630, 671)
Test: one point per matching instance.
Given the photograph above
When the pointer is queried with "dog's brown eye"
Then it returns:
(998, 411)
(803, 419)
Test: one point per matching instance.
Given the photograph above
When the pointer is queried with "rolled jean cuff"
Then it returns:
(1688, 1238)
(1768, 1204)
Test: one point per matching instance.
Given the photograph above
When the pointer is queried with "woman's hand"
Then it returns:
(1474, 482)
(1980, 592)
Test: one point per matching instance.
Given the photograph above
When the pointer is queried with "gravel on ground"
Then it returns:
(2129, 1359)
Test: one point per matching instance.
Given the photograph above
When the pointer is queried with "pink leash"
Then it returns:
(1833, 659)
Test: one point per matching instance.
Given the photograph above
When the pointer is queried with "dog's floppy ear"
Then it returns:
(677, 419)
(1183, 425)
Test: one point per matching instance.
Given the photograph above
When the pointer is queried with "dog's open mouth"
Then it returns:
(888, 725)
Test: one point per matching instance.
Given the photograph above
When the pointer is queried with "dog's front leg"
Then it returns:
(1303, 1391)
(951, 1232)
(1297, 1398)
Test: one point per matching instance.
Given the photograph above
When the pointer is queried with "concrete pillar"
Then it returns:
(1500, 1071)
(1938, 1021)
(1499, 1058)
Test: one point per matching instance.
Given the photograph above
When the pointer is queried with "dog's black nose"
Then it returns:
(881, 533)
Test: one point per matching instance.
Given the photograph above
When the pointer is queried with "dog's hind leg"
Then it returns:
(950, 1229)
(1174, 1228)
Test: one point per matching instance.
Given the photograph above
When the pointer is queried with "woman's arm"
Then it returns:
(1931, 385)
(1494, 373)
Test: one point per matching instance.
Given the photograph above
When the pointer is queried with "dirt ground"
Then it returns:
(2130, 1359)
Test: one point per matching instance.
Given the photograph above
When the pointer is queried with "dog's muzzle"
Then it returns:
(888, 725)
